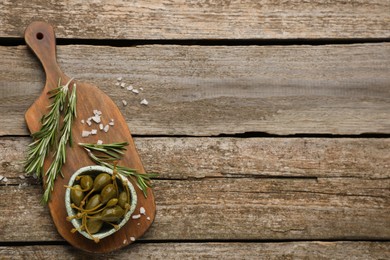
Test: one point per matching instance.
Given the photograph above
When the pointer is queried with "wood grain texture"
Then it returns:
(210, 90)
(197, 158)
(220, 19)
(289, 250)
(350, 202)
(231, 209)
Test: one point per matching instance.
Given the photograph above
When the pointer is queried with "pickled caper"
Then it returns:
(113, 214)
(122, 200)
(107, 193)
(86, 182)
(94, 225)
(93, 202)
(76, 195)
(101, 181)
(112, 202)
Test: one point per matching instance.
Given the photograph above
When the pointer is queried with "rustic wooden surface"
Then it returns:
(268, 122)
(207, 90)
(203, 19)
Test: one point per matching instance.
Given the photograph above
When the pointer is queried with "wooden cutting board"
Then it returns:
(40, 38)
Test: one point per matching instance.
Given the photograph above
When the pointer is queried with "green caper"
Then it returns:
(107, 193)
(112, 202)
(101, 181)
(93, 202)
(122, 200)
(86, 182)
(76, 195)
(113, 214)
(94, 225)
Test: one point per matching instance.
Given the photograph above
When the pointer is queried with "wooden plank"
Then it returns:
(168, 19)
(185, 158)
(286, 250)
(343, 202)
(225, 209)
(211, 90)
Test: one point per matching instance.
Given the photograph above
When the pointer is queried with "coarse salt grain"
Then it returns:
(5, 179)
(82, 121)
(117, 84)
(123, 85)
(97, 119)
(99, 142)
(93, 131)
(22, 177)
(132, 239)
(1, 177)
(124, 241)
(119, 78)
(111, 123)
(106, 128)
(136, 216)
(89, 121)
(124, 102)
(144, 102)
(85, 133)
(112, 119)
(142, 210)
(130, 87)
(135, 91)
(148, 218)
(101, 126)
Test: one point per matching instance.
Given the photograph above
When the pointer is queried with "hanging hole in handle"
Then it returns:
(39, 36)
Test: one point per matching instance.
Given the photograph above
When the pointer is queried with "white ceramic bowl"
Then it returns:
(71, 212)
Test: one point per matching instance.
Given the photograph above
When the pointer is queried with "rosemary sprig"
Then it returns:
(60, 154)
(46, 138)
(103, 154)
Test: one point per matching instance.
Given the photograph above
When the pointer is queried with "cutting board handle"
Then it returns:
(40, 37)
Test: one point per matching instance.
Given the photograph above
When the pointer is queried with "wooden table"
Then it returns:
(268, 123)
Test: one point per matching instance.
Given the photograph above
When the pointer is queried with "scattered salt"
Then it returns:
(89, 121)
(132, 238)
(93, 131)
(124, 241)
(135, 91)
(111, 123)
(142, 210)
(124, 102)
(96, 118)
(112, 119)
(22, 177)
(1, 177)
(148, 218)
(141, 89)
(123, 85)
(106, 128)
(117, 84)
(82, 121)
(138, 224)
(119, 78)
(136, 216)
(130, 87)
(85, 133)
(101, 126)
(144, 102)
(5, 179)
(99, 142)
